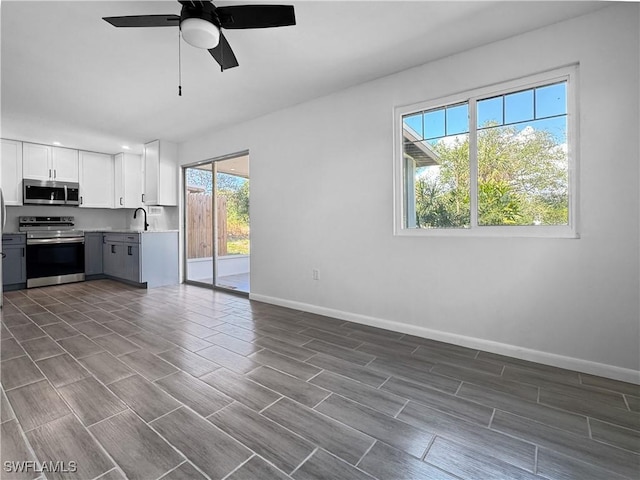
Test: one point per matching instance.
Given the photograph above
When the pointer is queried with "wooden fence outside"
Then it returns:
(200, 225)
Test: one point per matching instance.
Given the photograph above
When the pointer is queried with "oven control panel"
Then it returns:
(46, 219)
(29, 224)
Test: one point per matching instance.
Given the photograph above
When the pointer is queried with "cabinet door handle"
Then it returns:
(80, 199)
(113, 249)
(54, 173)
(8, 239)
(129, 250)
(121, 201)
(143, 198)
(23, 251)
(49, 173)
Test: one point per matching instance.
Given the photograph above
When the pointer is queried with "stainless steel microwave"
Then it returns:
(42, 192)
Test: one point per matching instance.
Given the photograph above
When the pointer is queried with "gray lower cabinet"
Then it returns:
(93, 253)
(14, 263)
(121, 256)
(112, 258)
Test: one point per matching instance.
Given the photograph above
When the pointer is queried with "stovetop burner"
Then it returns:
(48, 227)
(30, 224)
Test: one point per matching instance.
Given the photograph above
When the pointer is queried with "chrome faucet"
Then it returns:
(146, 225)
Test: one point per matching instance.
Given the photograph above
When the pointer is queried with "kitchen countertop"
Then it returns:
(124, 230)
(106, 230)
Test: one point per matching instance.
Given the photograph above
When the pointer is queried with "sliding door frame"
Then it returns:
(214, 240)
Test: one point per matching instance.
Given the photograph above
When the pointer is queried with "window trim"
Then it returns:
(568, 74)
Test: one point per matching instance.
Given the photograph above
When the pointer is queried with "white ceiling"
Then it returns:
(68, 76)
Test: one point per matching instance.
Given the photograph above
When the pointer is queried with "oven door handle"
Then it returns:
(53, 241)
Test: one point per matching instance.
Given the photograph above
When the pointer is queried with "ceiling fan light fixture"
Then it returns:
(200, 33)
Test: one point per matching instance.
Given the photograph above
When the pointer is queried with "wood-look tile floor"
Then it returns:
(186, 383)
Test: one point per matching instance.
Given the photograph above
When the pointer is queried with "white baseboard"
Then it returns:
(561, 361)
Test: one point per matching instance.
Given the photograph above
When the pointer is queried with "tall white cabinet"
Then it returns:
(44, 162)
(96, 180)
(160, 173)
(128, 180)
(11, 172)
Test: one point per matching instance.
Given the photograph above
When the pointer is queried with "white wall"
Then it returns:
(166, 219)
(321, 197)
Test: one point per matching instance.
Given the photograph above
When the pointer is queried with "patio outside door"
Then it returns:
(217, 245)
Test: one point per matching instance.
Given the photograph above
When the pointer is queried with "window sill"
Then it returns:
(491, 232)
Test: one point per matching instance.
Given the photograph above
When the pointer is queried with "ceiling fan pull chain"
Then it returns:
(179, 67)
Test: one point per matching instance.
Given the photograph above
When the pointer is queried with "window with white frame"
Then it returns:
(498, 160)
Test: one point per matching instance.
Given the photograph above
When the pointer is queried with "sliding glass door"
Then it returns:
(217, 232)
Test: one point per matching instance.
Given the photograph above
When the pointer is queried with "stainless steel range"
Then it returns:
(55, 250)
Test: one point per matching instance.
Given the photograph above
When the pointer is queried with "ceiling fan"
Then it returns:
(200, 22)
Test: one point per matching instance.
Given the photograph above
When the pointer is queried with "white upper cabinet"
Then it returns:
(96, 180)
(11, 172)
(128, 181)
(160, 173)
(44, 162)
(65, 164)
(36, 161)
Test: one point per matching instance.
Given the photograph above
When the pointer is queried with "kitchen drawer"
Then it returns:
(9, 239)
(121, 238)
(113, 238)
(131, 237)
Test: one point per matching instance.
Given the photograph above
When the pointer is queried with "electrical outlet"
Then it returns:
(316, 274)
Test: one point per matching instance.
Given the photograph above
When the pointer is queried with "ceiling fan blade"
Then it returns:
(256, 16)
(223, 54)
(144, 21)
(193, 3)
